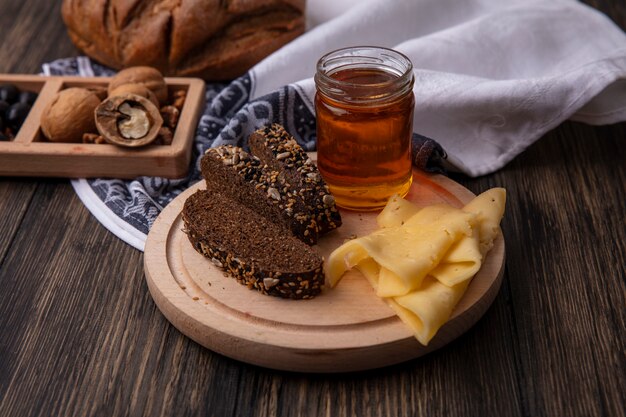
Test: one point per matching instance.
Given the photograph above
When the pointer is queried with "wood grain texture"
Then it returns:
(80, 335)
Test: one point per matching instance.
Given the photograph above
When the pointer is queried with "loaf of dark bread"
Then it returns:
(232, 171)
(211, 39)
(255, 251)
(276, 148)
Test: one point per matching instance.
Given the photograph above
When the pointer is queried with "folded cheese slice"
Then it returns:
(460, 263)
(428, 308)
(396, 212)
(407, 252)
(451, 243)
(489, 210)
(424, 310)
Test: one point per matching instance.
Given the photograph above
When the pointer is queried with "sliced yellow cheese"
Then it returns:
(424, 310)
(390, 284)
(460, 263)
(370, 269)
(344, 258)
(427, 309)
(428, 215)
(422, 261)
(489, 209)
(396, 212)
(409, 251)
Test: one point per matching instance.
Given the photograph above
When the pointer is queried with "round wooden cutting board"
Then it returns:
(347, 328)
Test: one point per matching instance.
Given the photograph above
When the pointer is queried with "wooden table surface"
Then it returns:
(80, 334)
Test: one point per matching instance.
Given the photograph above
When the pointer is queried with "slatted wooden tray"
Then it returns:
(347, 328)
(29, 154)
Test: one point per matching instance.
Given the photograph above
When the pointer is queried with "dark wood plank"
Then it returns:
(14, 200)
(31, 33)
(566, 264)
(614, 9)
(577, 229)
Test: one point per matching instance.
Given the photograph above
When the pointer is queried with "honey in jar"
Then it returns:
(364, 104)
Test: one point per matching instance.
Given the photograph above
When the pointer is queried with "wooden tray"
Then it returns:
(346, 328)
(29, 154)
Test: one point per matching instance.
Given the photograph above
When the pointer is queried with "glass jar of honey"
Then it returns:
(364, 104)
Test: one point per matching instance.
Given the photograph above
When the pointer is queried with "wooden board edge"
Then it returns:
(342, 359)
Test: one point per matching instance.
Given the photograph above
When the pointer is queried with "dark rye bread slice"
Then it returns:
(244, 178)
(255, 251)
(274, 146)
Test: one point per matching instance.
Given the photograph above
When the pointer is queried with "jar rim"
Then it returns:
(364, 57)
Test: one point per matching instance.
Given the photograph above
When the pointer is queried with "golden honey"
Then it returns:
(364, 105)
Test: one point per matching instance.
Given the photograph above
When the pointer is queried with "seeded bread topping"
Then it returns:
(275, 147)
(242, 222)
(250, 182)
(252, 249)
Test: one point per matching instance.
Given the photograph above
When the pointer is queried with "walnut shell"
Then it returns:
(101, 92)
(150, 77)
(139, 89)
(128, 120)
(69, 115)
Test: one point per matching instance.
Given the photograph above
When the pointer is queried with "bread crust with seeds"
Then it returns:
(275, 147)
(242, 176)
(252, 249)
(242, 222)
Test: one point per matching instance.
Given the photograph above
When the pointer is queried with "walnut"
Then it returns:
(101, 92)
(170, 116)
(150, 77)
(69, 114)
(93, 138)
(128, 120)
(139, 89)
(165, 137)
(179, 99)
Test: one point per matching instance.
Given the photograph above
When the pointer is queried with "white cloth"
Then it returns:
(492, 76)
